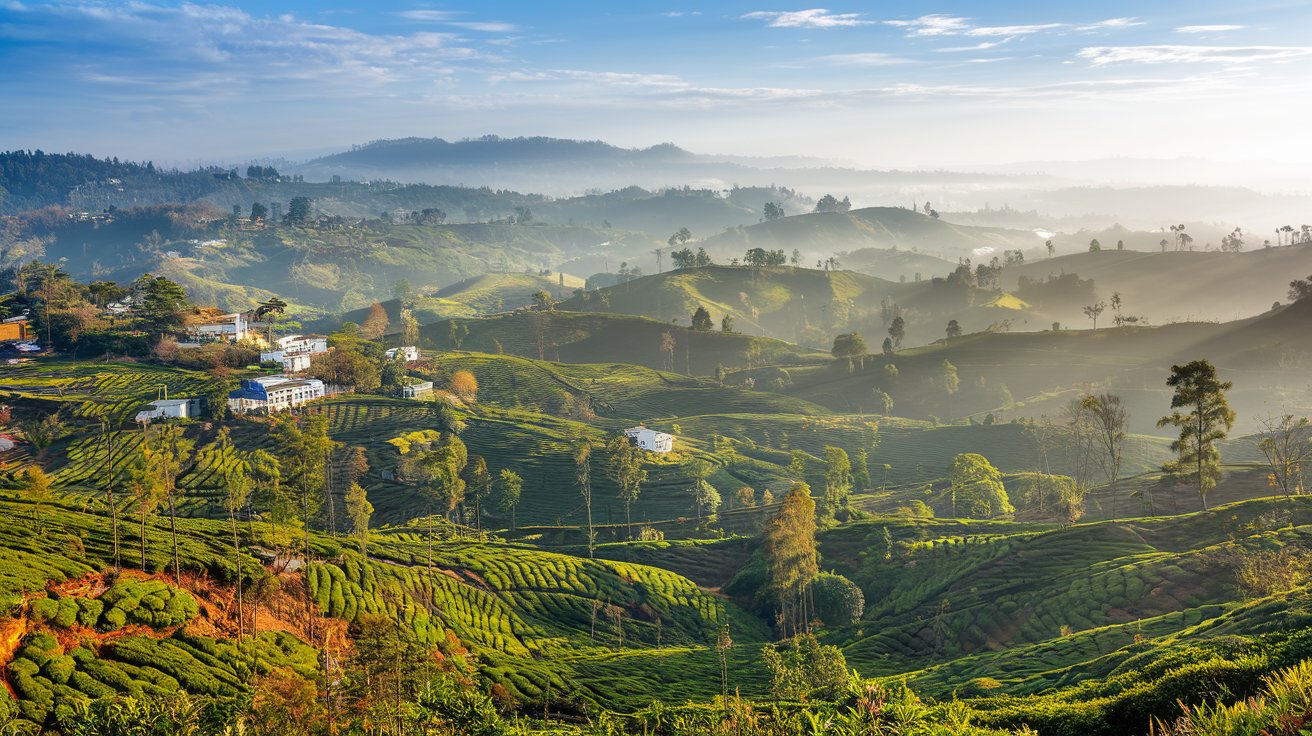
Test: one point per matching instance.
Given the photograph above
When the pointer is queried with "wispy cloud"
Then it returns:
(1180, 54)
(936, 24)
(430, 16)
(1219, 28)
(453, 18)
(1110, 24)
(981, 46)
(495, 26)
(813, 18)
(680, 13)
(160, 50)
(871, 58)
(939, 24)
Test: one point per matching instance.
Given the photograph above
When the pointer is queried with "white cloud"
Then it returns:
(940, 24)
(1220, 28)
(429, 16)
(1177, 54)
(981, 46)
(813, 18)
(936, 24)
(1110, 23)
(681, 13)
(160, 51)
(1013, 30)
(872, 58)
(495, 26)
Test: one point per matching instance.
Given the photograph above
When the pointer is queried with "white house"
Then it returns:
(227, 328)
(171, 408)
(650, 439)
(417, 390)
(408, 353)
(294, 352)
(269, 394)
(303, 344)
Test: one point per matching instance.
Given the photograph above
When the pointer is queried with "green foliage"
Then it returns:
(1207, 421)
(803, 668)
(838, 601)
(147, 602)
(975, 488)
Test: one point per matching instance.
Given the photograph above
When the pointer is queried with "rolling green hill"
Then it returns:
(592, 337)
(806, 306)
(820, 235)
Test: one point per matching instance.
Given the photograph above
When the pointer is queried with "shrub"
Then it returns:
(838, 601)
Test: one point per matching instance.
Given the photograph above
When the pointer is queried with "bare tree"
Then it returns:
(1108, 419)
(1286, 443)
(1093, 311)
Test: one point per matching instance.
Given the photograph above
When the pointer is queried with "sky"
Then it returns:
(880, 84)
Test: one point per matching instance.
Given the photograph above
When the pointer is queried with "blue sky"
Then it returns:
(882, 84)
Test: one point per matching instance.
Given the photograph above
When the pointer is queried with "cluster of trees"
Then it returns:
(687, 258)
(829, 203)
(69, 315)
(34, 179)
(1056, 291)
(262, 173)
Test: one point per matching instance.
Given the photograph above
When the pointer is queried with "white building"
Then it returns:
(269, 394)
(409, 353)
(171, 409)
(650, 439)
(417, 390)
(294, 352)
(228, 328)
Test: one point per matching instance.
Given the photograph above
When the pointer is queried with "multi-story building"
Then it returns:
(269, 394)
(295, 351)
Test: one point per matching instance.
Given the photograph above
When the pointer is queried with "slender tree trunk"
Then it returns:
(236, 560)
(143, 540)
(305, 563)
(428, 602)
(587, 504)
(1199, 440)
(173, 529)
(628, 520)
(113, 507)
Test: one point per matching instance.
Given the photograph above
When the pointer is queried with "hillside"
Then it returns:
(820, 235)
(893, 264)
(1046, 611)
(329, 265)
(592, 337)
(803, 305)
(1035, 373)
(1177, 286)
